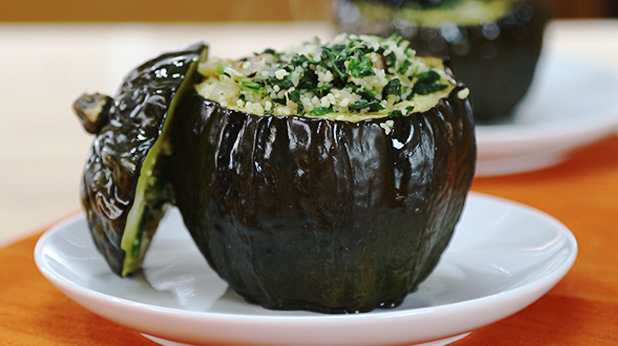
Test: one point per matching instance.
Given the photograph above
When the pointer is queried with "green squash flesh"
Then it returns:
(124, 187)
(324, 215)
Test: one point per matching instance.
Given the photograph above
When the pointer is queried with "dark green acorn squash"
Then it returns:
(125, 187)
(496, 58)
(299, 212)
(304, 211)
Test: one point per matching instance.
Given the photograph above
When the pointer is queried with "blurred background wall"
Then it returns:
(217, 11)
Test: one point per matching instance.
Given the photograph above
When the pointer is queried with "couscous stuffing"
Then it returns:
(354, 77)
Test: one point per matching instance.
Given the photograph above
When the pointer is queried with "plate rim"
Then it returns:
(547, 143)
(529, 290)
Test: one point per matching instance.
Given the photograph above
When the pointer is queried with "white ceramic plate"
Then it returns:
(503, 257)
(571, 103)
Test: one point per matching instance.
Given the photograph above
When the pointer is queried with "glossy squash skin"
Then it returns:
(496, 60)
(329, 216)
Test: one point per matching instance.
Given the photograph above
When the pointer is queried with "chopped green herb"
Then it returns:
(283, 84)
(398, 113)
(280, 101)
(322, 90)
(338, 47)
(357, 46)
(391, 59)
(373, 105)
(369, 100)
(353, 87)
(395, 113)
(362, 67)
(403, 68)
(367, 94)
(337, 61)
(397, 38)
(300, 59)
(272, 52)
(392, 88)
(425, 89)
(308, 81)
(339, 67)
(321, 111)
(429, 76)
(219, 67)
(413, 73)
(256, 85)
(294, 96)
(428, 82)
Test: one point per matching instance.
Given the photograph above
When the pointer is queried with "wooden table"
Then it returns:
(43, 148)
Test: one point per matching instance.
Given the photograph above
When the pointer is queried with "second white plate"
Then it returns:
(571, 103)
(503, 257)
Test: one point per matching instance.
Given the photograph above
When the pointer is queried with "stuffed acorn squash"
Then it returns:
(494, 45)
(328, 177)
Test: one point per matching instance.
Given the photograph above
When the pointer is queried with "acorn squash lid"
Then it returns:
(124, 188)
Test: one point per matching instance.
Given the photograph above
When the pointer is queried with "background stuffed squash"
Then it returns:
(494, 45)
